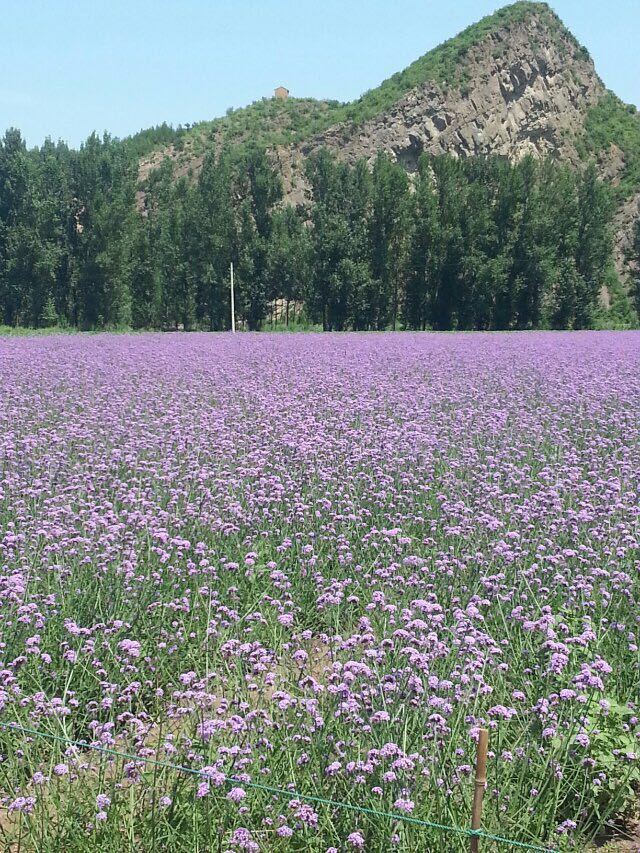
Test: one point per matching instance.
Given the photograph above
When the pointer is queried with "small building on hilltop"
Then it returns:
(281, 93)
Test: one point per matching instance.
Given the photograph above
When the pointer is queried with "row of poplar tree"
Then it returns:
(469, 244)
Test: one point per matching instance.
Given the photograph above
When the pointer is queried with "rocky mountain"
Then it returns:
(524, 89)
(515, 83)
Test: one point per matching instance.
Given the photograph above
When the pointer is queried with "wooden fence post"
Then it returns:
(479, 786)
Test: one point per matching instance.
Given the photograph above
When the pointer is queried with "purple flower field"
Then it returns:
(318, 563)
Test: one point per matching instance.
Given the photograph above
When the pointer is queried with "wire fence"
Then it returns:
(294, 795)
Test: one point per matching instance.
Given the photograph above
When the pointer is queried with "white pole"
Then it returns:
(233, 307)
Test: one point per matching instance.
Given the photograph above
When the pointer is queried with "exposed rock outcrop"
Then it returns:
(525, 91)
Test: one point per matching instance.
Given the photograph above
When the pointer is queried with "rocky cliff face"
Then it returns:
(525, 90)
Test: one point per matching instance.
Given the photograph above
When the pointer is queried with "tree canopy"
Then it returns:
(462, 244)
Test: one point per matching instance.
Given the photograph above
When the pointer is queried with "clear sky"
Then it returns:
(73, 66)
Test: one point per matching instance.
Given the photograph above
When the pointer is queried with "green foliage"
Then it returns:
(145, 141)
(633, 261)
(264, 123)
(289, 261)
(620, 313)
(389, 232)
(609, 727)
(612, 122)
(497, 246)
(343, 290)
(49, 316)
(479, 244)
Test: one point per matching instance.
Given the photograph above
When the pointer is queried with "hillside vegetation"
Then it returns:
(612, 122)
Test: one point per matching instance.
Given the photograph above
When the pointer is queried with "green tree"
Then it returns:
(340, 231)
(594, 245)
(213, 232)
(449, 278)
(289, 259)
(635, 264)
(251, 296)
(423, 249)
(481, 263)
(389, 238)
(145, 286)
(105, 191)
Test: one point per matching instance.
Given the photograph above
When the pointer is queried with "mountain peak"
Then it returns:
(515, 83)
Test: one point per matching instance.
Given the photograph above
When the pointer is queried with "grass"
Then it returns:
(44, 331)
(23, 331)
(620, 315)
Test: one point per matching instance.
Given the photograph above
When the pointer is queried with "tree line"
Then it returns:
(479, 243)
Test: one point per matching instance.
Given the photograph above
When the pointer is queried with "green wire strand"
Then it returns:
(478, 833)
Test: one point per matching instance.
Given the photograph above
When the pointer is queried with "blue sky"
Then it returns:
(73, 66)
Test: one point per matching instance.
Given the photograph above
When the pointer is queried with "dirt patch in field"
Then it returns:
(626, 840)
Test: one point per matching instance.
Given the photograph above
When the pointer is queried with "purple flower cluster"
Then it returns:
(322, 563)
